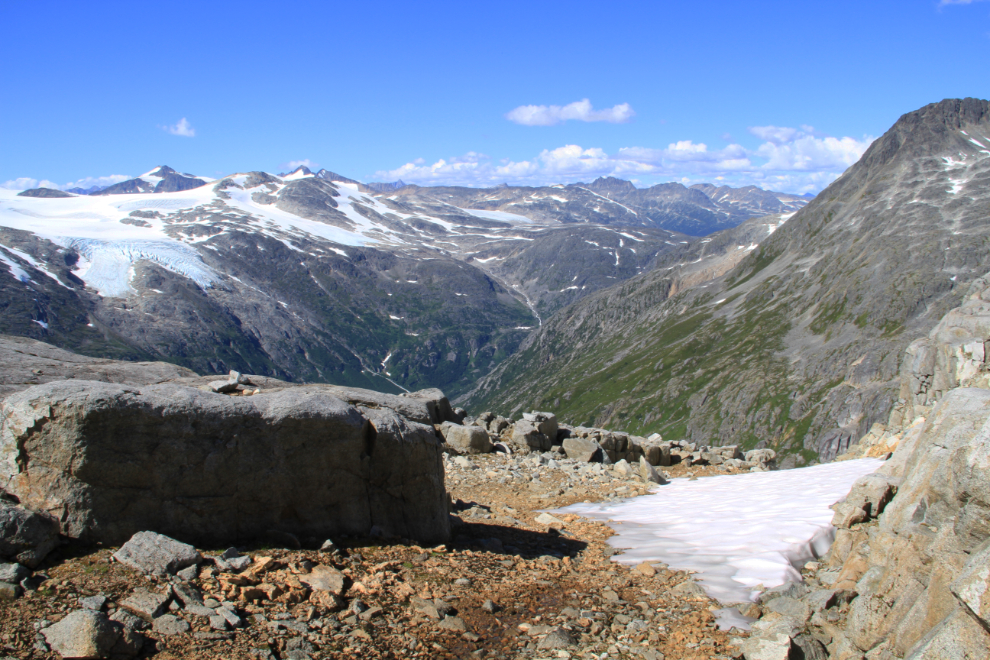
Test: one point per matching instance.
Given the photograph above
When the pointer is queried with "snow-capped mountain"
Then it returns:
(309, 276)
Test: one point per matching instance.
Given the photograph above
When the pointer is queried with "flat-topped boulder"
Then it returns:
(111, 460)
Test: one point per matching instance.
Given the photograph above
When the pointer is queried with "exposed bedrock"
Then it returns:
(110, 460)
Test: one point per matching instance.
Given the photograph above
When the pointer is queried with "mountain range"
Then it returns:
(317, 277)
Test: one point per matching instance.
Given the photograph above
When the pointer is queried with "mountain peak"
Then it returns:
(609, 184)
(327, 175)
(936, 129)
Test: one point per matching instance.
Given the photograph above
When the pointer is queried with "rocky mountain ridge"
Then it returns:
(611, 201)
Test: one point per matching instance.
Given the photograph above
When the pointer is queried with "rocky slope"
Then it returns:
(907, 574)
(798, 347)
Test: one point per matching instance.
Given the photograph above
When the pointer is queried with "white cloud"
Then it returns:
(550, 115)
(793, 149)
(90, 181)
(795, 160)
(182, 127)
(293, 165)
(26, 183)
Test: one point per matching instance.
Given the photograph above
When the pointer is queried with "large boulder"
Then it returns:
(210, 469)
(583, 449)
(526, 437)
(436, 403)
(546, 423)
(466, 439)
(26, 536)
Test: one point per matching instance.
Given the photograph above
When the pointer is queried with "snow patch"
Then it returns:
(15, 270)
(735, 531)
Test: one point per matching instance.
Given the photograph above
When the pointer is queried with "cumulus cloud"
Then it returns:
(793, 149)
(182, 127)
(293, 165)
(26, 183)
(550, 115)
(796, 160)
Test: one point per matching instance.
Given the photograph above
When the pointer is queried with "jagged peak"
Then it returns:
(333, 177)
(933, 130)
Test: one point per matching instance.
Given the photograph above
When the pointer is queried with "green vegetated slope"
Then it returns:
(798, 346)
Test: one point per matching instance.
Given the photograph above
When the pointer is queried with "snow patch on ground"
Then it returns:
(737, 532)
(497, 215)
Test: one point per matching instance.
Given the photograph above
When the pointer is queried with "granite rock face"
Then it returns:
(110, 460)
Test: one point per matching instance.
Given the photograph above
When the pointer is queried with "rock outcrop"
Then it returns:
(26, 362)
(110, 460)
(907, 573)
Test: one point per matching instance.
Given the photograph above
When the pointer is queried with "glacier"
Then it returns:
(107, 266)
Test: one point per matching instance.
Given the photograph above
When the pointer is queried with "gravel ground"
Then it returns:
(507, 586)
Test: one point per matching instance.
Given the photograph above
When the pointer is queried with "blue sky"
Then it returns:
(781, 94)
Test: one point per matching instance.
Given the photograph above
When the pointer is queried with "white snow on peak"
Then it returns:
(739, 533)
(295, 176)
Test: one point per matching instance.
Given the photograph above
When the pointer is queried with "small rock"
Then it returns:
(645, 569)
(9, 592)
(547, 519)
(169, 624)
(128, 620)
(689, 589)
(189, 573)
(329, 546)
(146, 604)
(82, 634)
(199, 610)
(13, 573)
(370, 613)
(93, 602)
(156, 554)
(490, 606)
(230, 616)
(455, 623)
(218, 622)
(325, 578)
(648, 473)
(559, 638)
(187, 594)
(27, 536)
(463, 582)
